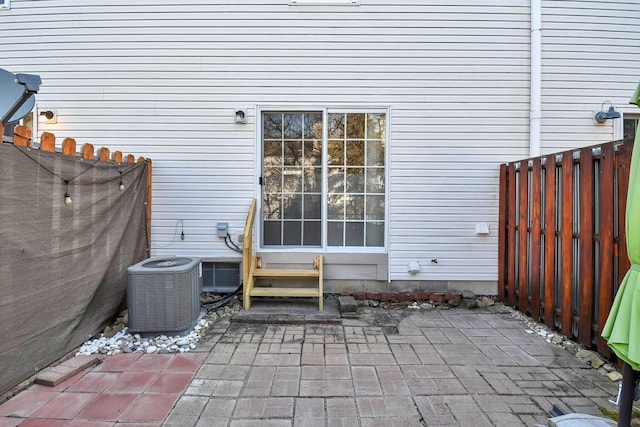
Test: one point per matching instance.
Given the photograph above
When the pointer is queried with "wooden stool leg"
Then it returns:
(318, 261)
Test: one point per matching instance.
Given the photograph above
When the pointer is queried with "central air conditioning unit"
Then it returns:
(163, 294)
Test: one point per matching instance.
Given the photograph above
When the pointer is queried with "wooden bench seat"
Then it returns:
(251, 269)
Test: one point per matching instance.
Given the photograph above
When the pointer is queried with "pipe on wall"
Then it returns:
(535, 109)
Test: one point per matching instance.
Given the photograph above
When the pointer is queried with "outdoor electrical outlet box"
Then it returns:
(223, 229)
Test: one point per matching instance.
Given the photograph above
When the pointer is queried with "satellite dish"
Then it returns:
(17, 95)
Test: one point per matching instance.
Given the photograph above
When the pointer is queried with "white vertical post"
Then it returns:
(535, 110)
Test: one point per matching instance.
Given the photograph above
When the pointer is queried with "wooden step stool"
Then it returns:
(252, 269)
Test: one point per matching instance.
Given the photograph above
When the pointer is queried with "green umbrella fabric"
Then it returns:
(622, 329)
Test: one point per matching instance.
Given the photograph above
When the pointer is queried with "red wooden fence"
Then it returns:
(562, 249)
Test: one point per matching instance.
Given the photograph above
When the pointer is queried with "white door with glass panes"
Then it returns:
(323, 179)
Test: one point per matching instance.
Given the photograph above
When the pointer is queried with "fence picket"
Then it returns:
(586, 277)
(88, 151)
(69, 147)
(566, 244)
(550, 209)
(523, 222)
(502, 232)
(624, 163)
(22, 136)
(48, 142)
(511, 222)
(605, 242)
(534, 259)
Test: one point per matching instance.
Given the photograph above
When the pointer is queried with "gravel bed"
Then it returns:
(116, 338)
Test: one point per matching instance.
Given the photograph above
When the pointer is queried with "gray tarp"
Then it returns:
(63, 268)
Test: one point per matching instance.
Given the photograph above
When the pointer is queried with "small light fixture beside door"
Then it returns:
(240, 116)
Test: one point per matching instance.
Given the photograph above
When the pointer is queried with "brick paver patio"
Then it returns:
(382, 368)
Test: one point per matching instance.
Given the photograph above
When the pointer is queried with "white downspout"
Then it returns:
(535, 109)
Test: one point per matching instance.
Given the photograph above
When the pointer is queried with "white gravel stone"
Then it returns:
(124, 342)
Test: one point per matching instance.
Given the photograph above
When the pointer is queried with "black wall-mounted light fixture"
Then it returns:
(48, 116)
(602, 116)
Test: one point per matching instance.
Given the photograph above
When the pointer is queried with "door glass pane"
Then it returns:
(313, 153)
(335, 234)
(355, 153)
(375, 234)
(272, 126)
(292, 233)
(313, 126)
(336, 126)
(354, 234)
(272, 232)
(375, 208)
(335, 180)
(292, 206)
(355, 125)
(272, 180)
(292, 178)
(312, 180)
(375, 153)
(354, 207)
(375, 180)
(355, 180)
(312, 233)
(335, 153)
(272, 153)
(272, 206)
(335, 207)
(292, 153)
(312, 206)
(376, 125)
(292, 126)
(292, 181)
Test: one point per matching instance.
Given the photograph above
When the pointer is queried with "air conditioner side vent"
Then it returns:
(221, 276)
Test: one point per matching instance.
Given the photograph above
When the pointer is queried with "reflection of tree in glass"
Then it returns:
(376, 123)
(336, 126)
(355, 180)
(354, 207)
(293, 153)
(272, 206)
(356, 125)
(272, 125)
(355, 153)
(292, 126)
(313, 126)
(272, 153)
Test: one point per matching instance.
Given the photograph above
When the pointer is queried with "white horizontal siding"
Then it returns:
(591, 54)
(162, 80)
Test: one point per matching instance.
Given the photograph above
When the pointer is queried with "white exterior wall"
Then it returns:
(162, 80)
(590, 54)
